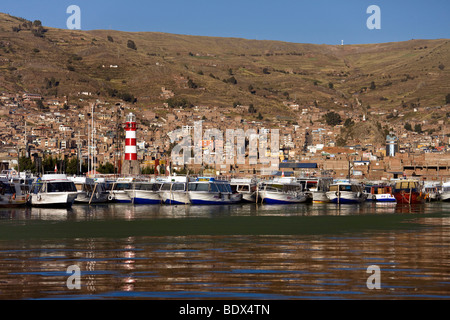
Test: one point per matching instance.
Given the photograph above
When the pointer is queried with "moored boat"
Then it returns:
(246, 187)
(445, 192)
(409, 192)
(174, 190)
(346, 192)
(379, 193)
(53, 190)
(208, 190)
(11, 194)
(117, 190)
(284, 190)
(144, 192)
(89, 190)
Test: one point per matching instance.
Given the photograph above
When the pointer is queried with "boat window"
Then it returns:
(166, 186)
(178, 187)
(345, 188)
(61, 187)
(122, 186)
(334, 188)
(244, 188)
(215, 188)
(222, 187)
(198, 187)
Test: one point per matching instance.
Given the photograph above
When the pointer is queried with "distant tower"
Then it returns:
(391, 145)
(130, 164)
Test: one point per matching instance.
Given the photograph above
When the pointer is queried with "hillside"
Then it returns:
(222, 71)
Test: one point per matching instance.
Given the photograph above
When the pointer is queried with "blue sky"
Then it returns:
(300, 21)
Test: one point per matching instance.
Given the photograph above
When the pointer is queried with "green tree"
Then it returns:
(447, 99)
(106, 168)
(72, 166)
(332, 118)
(131, 45)
(418, 128)
(408, 126)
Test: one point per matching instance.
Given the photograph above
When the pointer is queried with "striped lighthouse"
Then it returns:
(130, 164)
(130, 138)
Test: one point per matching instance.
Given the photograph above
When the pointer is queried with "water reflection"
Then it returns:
(414, 261)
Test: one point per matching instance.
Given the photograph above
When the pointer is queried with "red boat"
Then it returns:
(409, 192)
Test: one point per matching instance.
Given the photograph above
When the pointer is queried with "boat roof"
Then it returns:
(54, 177)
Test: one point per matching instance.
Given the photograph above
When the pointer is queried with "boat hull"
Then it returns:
(144, 197)
(407, 197)
(119, 197)
(445, 196)
(10, 201)
(54, 199)
(346, 197)
(283, 198)
(214, 198)
(320, 197)
(170, 197)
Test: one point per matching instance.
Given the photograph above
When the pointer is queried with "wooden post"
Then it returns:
(95, 187)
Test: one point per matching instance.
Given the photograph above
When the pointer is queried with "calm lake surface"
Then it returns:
(305, 251)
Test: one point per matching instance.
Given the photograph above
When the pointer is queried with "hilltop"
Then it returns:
(225, 71)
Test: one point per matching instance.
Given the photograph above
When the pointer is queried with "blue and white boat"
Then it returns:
(346, 192)
(174, 190)
(284, 190)
(144, 192)
(208, 190)
(379, 193)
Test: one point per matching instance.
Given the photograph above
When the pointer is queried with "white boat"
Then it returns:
(379, 193)
(284, 190)
(316, 188)
(246, 187)
(11, 194)
(445, 192)
(53, 190)
(346, 192)
(174, 190)
(432, 190)
(144, 192)
(90, 190)
(207, 190)
(118, 190)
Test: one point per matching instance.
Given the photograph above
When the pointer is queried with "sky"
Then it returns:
(298, 21)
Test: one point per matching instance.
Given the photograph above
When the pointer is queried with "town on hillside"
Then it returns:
(86, 135)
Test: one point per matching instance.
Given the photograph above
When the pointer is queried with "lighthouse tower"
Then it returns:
(130, 164)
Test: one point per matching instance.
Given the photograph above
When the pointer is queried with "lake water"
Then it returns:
(270, 252)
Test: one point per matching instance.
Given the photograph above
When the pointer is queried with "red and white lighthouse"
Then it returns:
(130, 164)
(130, 138)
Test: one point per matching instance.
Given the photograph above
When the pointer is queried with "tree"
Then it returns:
(192, 84)
(332, 118)
(447, 99)
(372, 85)
(131, 45)
(330, 85)
(110, 39)
(418, 128)
(266, 71)
(251, 109)
(408, 126)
